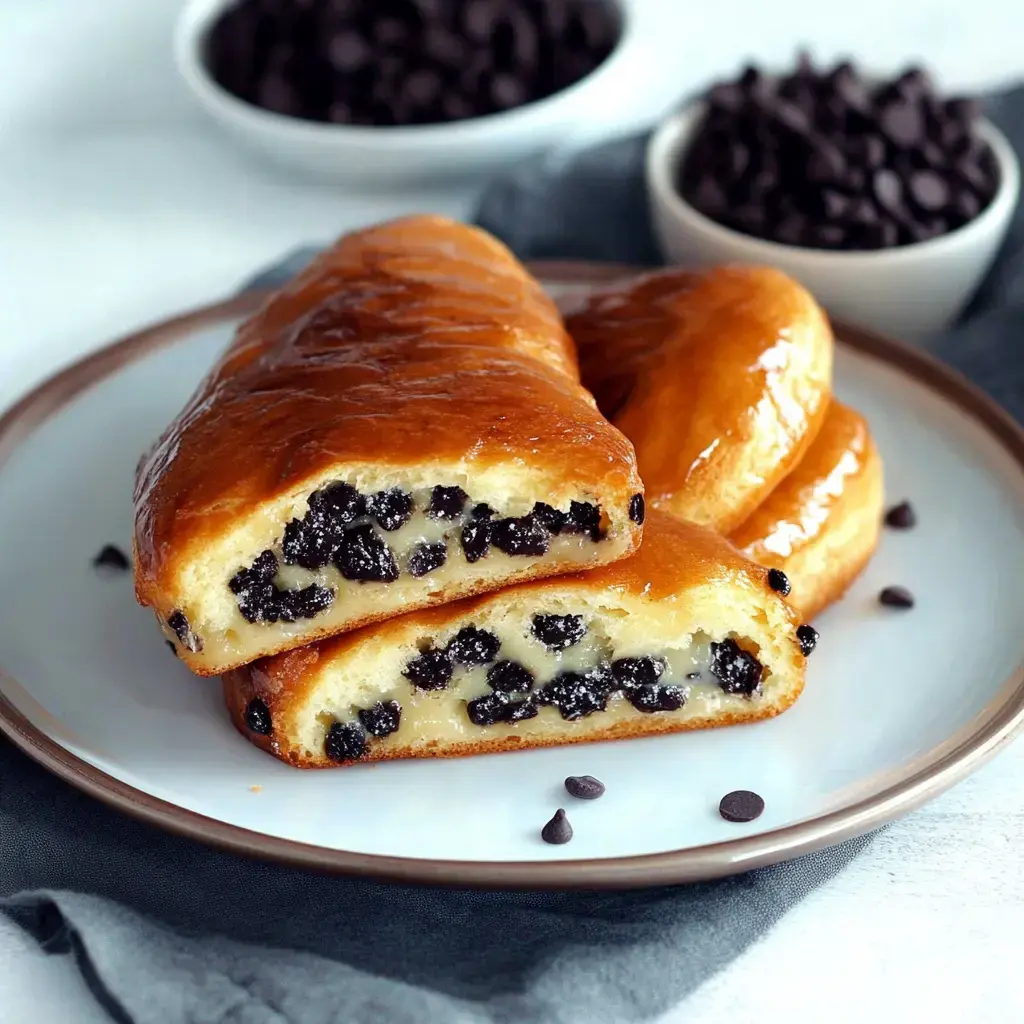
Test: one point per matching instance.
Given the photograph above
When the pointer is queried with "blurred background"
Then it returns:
(123, 202)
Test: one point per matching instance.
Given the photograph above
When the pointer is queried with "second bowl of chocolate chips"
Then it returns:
(397, 90)
(885, 198)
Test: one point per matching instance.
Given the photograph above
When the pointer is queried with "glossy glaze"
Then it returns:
(418, 340)
(720, 378)
(799, 510)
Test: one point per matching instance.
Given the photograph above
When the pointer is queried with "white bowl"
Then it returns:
(909, 291)
(383, 156)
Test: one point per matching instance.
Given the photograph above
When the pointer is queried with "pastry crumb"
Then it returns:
(255, 789)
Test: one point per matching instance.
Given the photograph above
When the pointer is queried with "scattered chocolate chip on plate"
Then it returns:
(558, 830)
(901, 516)
(112, 557)
(896, 597)
(584, 787)
(741, 805)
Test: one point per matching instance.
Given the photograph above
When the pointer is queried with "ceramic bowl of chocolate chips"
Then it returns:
(886, 199)
(390, 91)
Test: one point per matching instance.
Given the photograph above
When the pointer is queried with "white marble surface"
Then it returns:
(120, 205)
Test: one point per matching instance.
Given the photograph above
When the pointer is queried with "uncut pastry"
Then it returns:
(821, 523)
(719, 377)
(684, 634)
(401, 425)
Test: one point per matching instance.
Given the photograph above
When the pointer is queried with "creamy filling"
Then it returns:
(476, 684)
(348, 539)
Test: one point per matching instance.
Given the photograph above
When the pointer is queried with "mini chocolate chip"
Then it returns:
(584, 787)
(509, 677)
(584, 517)
(901, 516)
(558, 830)
(736, 670)
(557, 632)
(637, 510)
(257, 717)
(426, 558)
(447, 502)
(382, 719)
(896, 597)
(888, 190)
(345, 742)
(174, 650)
(650, 698)
(630, 672)
(364, 555)
(518, 536)
(341, 501)
(550, 518)
(487, 710)
(392, 508)
(902, 123)
(472, 646)
(475, 539)
(111, 557)
(184, 633)
(520, 710)
(432, 670)
(808, 637)
(741, 806)
(779, 582)
(929, 191)
(577, 694)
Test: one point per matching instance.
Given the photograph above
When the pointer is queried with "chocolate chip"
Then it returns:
(584, 517)
(392, 508)
(896, 597)
(518, 536)
(432, 670)
(447, 502)
(426, 558)
(557, 632)
(902, 123)
(736, 670)
(520, 710)
(901, 516)
(111, 557)
(779, 582)
(578, 694)
(472, 646)
(929, 191)
(741, 806)
(345, 742)
(475, 539)
(509, 677)
(808, 637)
(584, 787)
(550, 518)
(558, 830)
(637, 510)
(363, 555)
(657, 698)
(643, 671)
(184, 633)
(341, 502)
(257, 717)
(382, 719)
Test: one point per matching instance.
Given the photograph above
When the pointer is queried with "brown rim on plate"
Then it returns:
(872, 803)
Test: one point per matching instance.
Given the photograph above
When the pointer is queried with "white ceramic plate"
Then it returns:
(898, 704)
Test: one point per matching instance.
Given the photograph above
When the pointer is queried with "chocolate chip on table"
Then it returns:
(432, 670)
(257, 717)
(741, 806)
(112, 557)
(637, 510)
(409, 61)
(345, 742)
(382, 719)
(426, 558)
(558, 632)
(901, 516)
(779, 582)
(896, 597)
(584, 787)
(829, 160)
(472, 646)
(558, 830)
(808, 637)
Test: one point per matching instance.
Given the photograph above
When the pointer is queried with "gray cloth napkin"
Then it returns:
(174, 932)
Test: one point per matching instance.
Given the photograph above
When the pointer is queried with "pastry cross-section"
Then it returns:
(684, 634)
(400, 426)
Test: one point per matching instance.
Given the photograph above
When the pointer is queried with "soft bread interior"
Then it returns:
(310, 691)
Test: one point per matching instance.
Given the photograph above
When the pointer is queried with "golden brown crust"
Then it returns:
(414, 342)
(720, 378)
(821, 524)
(676, 558)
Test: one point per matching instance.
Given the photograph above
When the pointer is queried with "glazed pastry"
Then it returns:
(684, 634)
(400, 426)
(821, 524)
(720, 378)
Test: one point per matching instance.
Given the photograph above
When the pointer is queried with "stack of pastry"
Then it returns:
(399, 523)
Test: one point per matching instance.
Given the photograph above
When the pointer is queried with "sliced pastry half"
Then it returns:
(400, 426)
(685, 634)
